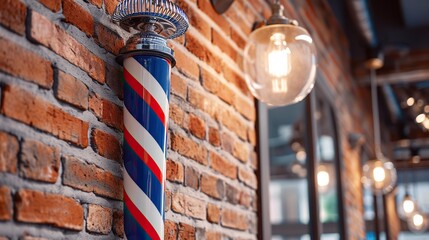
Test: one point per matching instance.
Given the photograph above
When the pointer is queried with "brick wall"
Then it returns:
(61, 120)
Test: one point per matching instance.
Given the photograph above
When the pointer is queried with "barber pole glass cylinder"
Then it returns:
(147, 62)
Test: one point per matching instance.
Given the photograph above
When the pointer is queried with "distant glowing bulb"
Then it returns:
(279, 62)
(418, 219)
(408, 206)
(301, 155)
(322, 178)
(410, 101)
(420, 118)
(378, 174)
(426, 123)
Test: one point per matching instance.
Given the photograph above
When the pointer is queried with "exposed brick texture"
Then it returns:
(90, 178)
(12, 16)
(78, 16)
(61, 121)
(72, 91)
(39, 207)
(8, 153)
(39, 113)
(106, 145)
(16, 64)
(39, 161)
(5, 204)
(99, 219)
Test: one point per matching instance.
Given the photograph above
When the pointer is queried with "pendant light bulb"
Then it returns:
(407, 207)
(417, 222)
(280, 61)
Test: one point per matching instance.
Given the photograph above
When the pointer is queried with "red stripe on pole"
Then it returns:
(146, 96)
(140, 218)
(143, 155)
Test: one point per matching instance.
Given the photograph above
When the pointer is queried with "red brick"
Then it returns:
(54, 5)
(66, 46)
(175, 172)
(106, 145)
(90, 178)
(111, 5)
(223, 166)
(5, 204)
(212, 186)
(254, 160)
(232, 194)
(214, 137)
(118, 223)
(39, 161)
(245, 108)
(197, 126)
(115, 80)
(17, 64)
(238, 39)
(184, 65)
(225, 46)
(78, 16)
(170, 230)
(233, 219)
(196, 19)
(53, 209)
(210, 235)
(32, 238)
(106, 111)
(227, 142)
(251, 135)
(178, 86)
(199, 49)
(215, 86)
(71, 90)
(245, 199)
(186, 231)
(176, 114)
(188, 148)
(9, 148)
(213, 213)
(232, 121)
(188, 205)
(248, 176)
(241, 151)
(237, 79)
(12, 16)
(96, 2)
(108, 39)
(99, 219)
(199, 99)
(192, 178)
(207, 7)
(40, 114)
(167, 204)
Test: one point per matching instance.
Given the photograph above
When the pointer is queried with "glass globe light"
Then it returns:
(380, 175)
(407, 207)
(280, 61)
(417, 222)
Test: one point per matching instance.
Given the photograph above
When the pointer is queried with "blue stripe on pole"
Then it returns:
(132, 229)
(142, 112)
(159, 68)
(143, 177)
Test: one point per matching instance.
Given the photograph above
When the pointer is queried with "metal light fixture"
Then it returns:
(147, 62)
(280, 60)
(379, 173)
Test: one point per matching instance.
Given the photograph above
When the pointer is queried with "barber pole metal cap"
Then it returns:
(155, 21)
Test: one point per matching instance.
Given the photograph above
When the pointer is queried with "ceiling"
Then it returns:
(400, 30)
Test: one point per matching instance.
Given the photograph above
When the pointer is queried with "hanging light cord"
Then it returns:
(375, 116)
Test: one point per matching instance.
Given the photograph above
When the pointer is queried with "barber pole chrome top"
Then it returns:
(156, 20)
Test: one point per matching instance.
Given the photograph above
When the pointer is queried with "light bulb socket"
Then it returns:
(277, 16)
(375, 58)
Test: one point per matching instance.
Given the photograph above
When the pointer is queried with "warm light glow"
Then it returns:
(417, 219)
(279, 62)
(378, 174)
(426, 109)
(304, 38)
(426, 123)
(322, 178)
(408, 206)
(420, 118)
(301, 155)
(410, 101)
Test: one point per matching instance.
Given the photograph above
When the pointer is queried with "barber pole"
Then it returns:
(147, 62)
